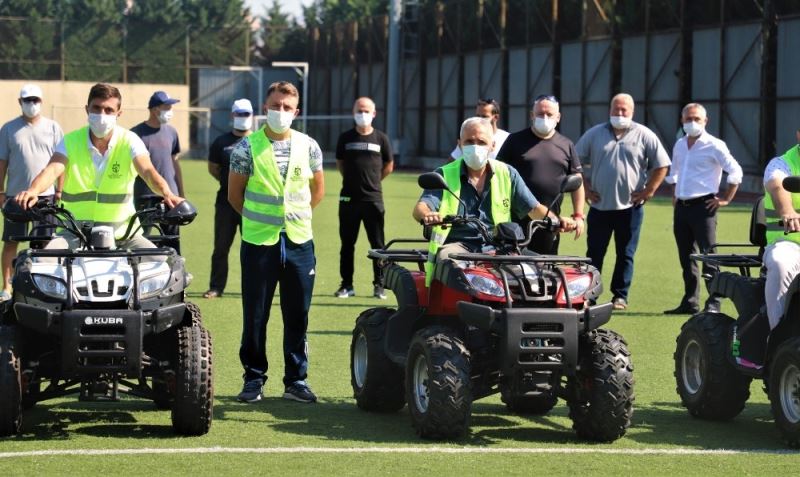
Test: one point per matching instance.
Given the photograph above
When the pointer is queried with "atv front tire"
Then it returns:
(601, 392)
(438, 388)
(784, 390)
(194, 389)
(10, 383)
(708, 384)
(377, 381)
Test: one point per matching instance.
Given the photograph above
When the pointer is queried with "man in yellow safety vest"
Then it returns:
(275, 181)
(100, 163)
(782, 255)
(492, 191)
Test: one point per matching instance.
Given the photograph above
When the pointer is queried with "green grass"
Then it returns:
(658, 422)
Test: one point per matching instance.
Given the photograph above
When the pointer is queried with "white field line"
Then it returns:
(392, 450)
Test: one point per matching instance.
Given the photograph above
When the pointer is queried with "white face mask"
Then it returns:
(620, 122)
(102, 124)
(475, 156)
(544, 125)
(279, 121)
(242, 123)
(31, 109)
(363, 119)
(164, 116)
(693, 129)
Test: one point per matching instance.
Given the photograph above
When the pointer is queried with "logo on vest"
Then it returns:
(115, 171)
(506, 203)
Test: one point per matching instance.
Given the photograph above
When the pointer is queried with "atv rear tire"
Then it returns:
(532, 405)
(708, 384)
(10, 383)
(377, 381)
(601, 392)
(438, 388)
(193, 403)
(784, 390)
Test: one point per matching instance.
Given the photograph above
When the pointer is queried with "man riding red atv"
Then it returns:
(490, 319)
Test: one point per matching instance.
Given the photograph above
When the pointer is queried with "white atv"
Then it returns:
(100, 320)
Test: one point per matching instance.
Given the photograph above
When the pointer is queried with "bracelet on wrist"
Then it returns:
(577, 216)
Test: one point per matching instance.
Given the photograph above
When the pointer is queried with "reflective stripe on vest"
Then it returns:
(110, 202)
(272, 203)
(499, 190)
(774, 229)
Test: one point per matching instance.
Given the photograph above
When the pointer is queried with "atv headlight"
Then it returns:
(153, 285)
(579, 286)
(50, 286)
(485, 285)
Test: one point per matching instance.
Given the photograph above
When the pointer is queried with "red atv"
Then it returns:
(507, 321)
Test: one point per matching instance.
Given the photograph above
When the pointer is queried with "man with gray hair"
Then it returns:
(544, 157)
(480, 183)
(624, 164)
(698, 160)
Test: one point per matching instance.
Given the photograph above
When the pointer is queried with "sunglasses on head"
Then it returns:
(546, 97)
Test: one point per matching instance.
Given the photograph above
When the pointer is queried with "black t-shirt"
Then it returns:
(542, 163)
(363, 158)
(220, 153)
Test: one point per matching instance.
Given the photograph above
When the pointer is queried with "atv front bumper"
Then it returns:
(99, 341)
(536, 339)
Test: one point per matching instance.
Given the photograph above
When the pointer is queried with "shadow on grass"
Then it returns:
(669, 423)
(112, 419)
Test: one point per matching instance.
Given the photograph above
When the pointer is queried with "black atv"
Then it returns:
(717, 356)
(98, 320)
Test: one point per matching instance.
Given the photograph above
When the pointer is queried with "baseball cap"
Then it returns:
(159, 98)
(30, 90)
(242, 106)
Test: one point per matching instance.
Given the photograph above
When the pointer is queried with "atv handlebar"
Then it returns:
(553, 224)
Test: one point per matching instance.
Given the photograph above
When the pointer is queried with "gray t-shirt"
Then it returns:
(617, 167)
(27, 148)
(242, 160)
(162, 143)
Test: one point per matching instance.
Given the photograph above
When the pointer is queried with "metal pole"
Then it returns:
(395, 12)
(305, 97)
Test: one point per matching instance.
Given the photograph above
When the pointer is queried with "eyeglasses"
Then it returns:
(242, 115)
(546, 97)
(31, 99)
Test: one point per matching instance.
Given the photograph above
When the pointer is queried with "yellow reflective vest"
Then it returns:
(109, 201)
(272, 203)
(499, 188)
(774, 229)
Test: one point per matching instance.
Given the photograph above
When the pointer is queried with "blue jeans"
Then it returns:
(625, 225)
(263, 267)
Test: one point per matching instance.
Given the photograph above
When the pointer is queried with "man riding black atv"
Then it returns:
(98, 320)
(717, 357)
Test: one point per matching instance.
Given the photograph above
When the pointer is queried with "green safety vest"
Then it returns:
(499, 188)
(111, 201)
(774, 229)
(272, 203)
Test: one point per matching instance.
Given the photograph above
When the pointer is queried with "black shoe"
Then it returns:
(300, 392)
(712, 308)
(683, 309)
